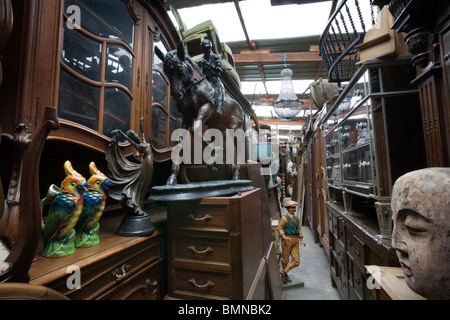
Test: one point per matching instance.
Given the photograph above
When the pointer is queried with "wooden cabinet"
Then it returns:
(118, 268)
(426, 34)
(354, 243)
(216, 248)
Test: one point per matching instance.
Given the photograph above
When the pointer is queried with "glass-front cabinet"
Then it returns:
(109, 76)
(372, 137)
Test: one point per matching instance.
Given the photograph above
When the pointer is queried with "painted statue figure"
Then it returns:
(94, 199)
(421, 235)
(63, 214)
(196, 100)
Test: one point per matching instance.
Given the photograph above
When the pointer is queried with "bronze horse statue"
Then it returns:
(196, 101)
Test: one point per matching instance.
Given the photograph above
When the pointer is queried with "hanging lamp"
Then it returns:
(287, 104)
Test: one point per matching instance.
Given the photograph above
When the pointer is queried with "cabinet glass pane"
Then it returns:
(351, 101)
(334, 168)
(117, 111)
(355, 129)
(78, 101)
(81, 54)
(332, 143)
(159, 128)
(119, 65)
(105, 18)
(160, 89)
(356, 164)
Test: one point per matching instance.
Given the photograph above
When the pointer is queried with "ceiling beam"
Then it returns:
(278, 57)
(251, 45)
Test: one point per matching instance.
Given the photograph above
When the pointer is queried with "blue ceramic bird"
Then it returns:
(63, 214)
(94, 199)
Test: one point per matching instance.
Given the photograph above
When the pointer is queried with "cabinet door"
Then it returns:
(98, 64)
(110, 77)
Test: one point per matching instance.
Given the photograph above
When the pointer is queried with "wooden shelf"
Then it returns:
(97, 263)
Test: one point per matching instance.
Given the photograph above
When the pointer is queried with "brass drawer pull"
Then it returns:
(206, 217)
(121, 272)
(208, 250)
(209, 284)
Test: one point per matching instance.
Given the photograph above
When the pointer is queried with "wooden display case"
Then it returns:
(373, 135)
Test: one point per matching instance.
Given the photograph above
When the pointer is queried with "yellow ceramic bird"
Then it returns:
(94, 199)
(63, 214)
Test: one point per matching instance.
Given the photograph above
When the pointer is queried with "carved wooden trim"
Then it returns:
(9, 222)
(136, 17)
(29, 232)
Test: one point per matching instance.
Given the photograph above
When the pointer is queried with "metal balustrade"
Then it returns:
(345, 29)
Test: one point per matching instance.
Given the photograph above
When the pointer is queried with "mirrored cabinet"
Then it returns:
(372, 137)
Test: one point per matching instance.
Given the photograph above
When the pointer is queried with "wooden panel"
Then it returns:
(431, 123)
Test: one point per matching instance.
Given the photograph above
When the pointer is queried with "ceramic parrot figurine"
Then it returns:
(63, 214)
(94, 199)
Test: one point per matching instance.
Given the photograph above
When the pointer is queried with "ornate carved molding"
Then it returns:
(9, 220)
(417, 41)
(29, 220)
(136, 17)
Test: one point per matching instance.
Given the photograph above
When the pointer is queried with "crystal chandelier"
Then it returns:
(287, 104)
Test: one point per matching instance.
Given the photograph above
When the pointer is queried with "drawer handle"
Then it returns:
(208, 250)
(121, 272)
(206, 217)
(209, 284)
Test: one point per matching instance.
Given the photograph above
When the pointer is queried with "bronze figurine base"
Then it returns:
(136, 226)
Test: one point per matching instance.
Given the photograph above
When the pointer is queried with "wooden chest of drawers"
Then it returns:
(118, 268)
(354, 243)
(215, 248)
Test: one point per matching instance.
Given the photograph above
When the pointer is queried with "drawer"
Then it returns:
(110, 272)
(330, 221)
(200, 284)
(359, 251)
(198, 218)
(350, 245)
(358, 282)
(147, 284)
(340, 253)
(341, 228)
(192, 249)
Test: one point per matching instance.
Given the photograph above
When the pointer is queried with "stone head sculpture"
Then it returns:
(421, 235)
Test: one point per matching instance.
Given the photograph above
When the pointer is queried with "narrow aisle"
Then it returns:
(313, 271)
(311, 280)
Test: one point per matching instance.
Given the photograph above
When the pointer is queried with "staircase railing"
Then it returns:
(345, 29)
